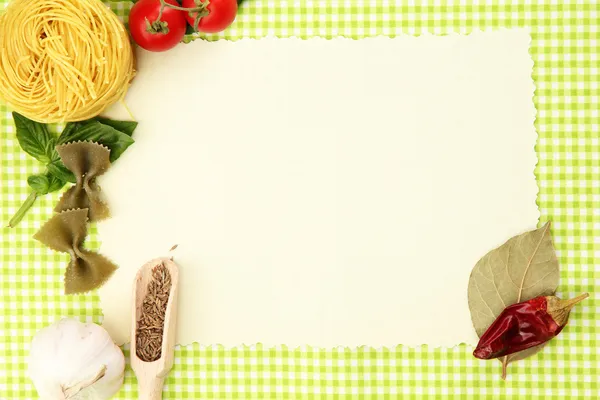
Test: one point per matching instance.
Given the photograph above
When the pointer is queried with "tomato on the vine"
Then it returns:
(152, 33)
(215, 17)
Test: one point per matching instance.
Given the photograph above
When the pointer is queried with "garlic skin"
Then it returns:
(70, 360)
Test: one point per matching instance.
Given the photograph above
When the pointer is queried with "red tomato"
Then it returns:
(221, 14)
(156, 35)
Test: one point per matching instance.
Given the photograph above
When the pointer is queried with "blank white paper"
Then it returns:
(323, 192)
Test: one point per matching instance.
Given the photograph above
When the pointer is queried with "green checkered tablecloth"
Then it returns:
(565, 50)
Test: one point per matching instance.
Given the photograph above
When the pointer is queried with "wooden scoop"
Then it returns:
(151, 375)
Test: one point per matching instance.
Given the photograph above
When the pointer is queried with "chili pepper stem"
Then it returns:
(559, 309)
(504, 365)
(568, 304)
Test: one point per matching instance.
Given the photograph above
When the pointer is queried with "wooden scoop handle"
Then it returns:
(150, 387)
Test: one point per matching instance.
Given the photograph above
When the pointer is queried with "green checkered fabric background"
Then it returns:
(565, 50)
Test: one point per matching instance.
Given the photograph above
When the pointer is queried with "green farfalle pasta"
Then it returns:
(65, 232)
(87, 161)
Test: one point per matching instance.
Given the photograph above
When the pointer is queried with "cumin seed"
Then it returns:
(150, 326)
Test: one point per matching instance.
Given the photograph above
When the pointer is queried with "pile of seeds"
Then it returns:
(152, 321)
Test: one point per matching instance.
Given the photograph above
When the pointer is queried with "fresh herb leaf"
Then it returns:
(71, 131)
(95, 131)
(34, 138)
(58, 170)
(55, 184)
(127, 127)
(39, 183)
(522, 268)
(45, 183)
(68, 133)
(37, 141)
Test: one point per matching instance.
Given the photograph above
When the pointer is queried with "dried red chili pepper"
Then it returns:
(524, 325)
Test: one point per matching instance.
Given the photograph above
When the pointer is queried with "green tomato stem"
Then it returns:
(201, 6)
(201, 11)
(157, 26)
(160, 12)
(14, 221)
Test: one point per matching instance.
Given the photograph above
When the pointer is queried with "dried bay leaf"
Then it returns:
(524, 267)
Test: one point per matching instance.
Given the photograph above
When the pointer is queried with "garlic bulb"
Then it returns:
(70, 360)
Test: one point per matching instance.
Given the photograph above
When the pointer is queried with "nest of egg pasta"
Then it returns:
(63, 60)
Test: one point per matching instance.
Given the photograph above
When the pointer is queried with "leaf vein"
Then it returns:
(530, 260)
(494, 283)
(482, 299)
(539, 280)
(506, 268)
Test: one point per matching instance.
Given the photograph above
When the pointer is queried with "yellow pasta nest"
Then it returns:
(63, 60)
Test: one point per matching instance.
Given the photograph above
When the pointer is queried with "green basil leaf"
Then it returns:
(34, 138)
(59, 171)
(55, 183)
(45, 183)
(39, 183)
(95, 131)
(68, 133)
(127, 127)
